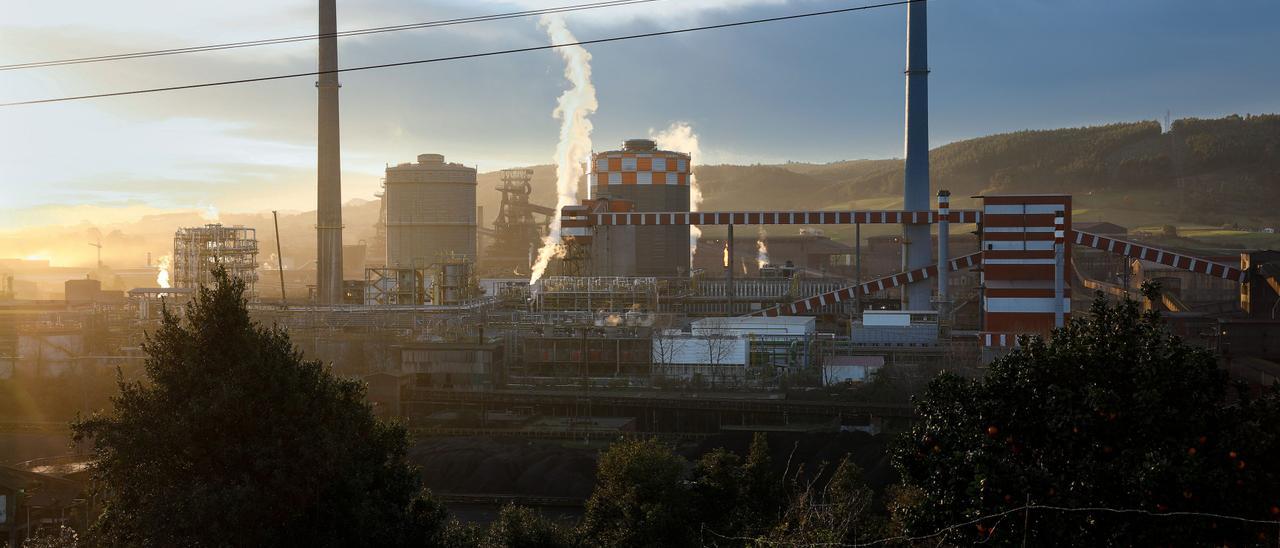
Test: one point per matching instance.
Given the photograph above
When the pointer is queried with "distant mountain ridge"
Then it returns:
(1207, 171)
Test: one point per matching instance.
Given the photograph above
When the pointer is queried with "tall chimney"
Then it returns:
(915, 190)
(328, 165)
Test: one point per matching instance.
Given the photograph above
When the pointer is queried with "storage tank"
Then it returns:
(81, 291)
(431, 212)
(651, 180)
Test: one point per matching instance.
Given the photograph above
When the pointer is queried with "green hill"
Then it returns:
(1207, 172)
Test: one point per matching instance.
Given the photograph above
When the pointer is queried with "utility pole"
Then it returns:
(275, 217)
(729, 288)
(857, 258)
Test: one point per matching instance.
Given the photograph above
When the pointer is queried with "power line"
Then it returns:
(461, 57)
(308, 37)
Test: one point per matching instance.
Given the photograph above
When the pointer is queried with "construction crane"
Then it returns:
(98, 245)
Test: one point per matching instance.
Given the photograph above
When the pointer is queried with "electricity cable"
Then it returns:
(463, 56)
(309, 37)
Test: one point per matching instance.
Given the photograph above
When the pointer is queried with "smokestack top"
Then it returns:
(639, 145)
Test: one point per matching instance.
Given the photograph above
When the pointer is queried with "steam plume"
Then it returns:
(572, 109)
(762, 248)
(679, 137)
(162, 272)
(210, 214)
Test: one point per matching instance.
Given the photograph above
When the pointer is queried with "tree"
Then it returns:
(234, 439)
(62, 537)
(1111, 412)
(640, 498)
(717, 492)
(522, 527)
(762, 487)
(837, 514)
(668, 344)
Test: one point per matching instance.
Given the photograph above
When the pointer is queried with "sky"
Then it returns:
(815, 90)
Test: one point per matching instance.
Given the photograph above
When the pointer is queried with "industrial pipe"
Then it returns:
(944, 255)
(1059, 268)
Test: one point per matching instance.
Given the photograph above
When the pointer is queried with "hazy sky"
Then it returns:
(821, 89)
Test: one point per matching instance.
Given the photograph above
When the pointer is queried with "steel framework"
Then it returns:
(197, 250)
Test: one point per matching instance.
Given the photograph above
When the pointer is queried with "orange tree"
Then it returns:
(1111, 412)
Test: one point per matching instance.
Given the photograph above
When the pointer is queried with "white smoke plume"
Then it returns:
(162, 271)
(679, 137)
(572, 109)
(762, 248)
(210, 214)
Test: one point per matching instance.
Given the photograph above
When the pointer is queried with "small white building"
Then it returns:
(718, 350)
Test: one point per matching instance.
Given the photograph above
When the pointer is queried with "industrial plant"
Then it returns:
(652, 315)
(631, 314)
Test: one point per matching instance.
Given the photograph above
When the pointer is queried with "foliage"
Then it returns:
(718, 491)
(520, 527)
(62, 537)
(233, 439)
(734, 497)
(763, 498)
(640, 499)
(1111, 412)
(842, 512)
(723, 500)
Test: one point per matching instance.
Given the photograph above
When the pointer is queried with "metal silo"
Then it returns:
(652, 180)
(431, 212)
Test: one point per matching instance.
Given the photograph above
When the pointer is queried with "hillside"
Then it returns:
(1203, 173)
(1210, 172)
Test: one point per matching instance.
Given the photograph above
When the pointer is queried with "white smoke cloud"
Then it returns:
(210, 214)
(762, 248)
(573, 109)
(680, 137)
(162, 271)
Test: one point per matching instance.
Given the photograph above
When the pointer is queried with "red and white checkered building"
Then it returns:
(652, 167)
(1018, 265)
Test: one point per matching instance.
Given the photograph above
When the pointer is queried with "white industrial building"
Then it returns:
(719, 350)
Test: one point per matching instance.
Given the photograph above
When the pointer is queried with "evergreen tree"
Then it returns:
(234, 440)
